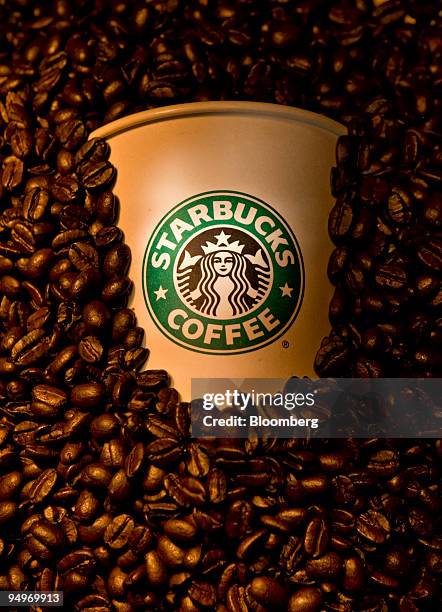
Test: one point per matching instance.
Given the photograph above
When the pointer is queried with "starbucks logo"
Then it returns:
(223, 274)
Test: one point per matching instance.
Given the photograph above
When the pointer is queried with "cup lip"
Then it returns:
(191, 109)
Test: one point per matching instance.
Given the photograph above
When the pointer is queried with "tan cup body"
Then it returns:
(276, 154)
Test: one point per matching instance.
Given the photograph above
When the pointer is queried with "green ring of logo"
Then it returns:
(223, 274)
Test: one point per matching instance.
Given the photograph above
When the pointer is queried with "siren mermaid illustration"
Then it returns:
(218, 283)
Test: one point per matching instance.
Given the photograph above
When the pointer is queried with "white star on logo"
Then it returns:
(222, 238)
(161, 293)
(286, 290)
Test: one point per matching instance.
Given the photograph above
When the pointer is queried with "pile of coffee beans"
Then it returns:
(387, 265)
(103, 494)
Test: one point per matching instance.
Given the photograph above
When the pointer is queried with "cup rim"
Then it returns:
(233, 107)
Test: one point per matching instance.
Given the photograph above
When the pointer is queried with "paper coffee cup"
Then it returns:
(225, 208)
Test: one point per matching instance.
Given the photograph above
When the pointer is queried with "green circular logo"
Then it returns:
(223, 274)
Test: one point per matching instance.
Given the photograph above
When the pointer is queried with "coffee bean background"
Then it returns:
(102, 492)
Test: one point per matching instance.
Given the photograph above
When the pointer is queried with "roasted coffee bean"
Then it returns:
(374, 526)
(390, 277)
(35, 204)
(104, 426)
(42, 486)
(9, 485)
(179, 530)
(108, 236)
(268, 592)
(117, 289)
(8, 510)
(354, 574)
(83, 256)
(47, 401)
(21, 143)
(96, 175)
(430, 254)
(94, 150)
(66, 189)
(96, 316)
(328, 566)
(340, 221)
(88, 395)
(107, 208)
(155, 569)
(117, 261)
(12, 173)
(135, 460)
(65, 161)
(71, 133)
(113, 453)
(316, 538)
(306, 599)
(90, 349)
(96, 475)
(118, 531)
(123, 321)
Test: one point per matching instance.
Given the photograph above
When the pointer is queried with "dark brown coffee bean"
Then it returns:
(47, 401)
(123, 321)
(354, 574)
(35, 204)
(90, 349)
(21, 143)
(202, 594)
(135, 460)
(96, 475)
(117, 261)
(340, 220)
(316, 538)
(118, 531)
(179, 530)
(31, 348)
(432, 210)
(83, 256)
(113, 452)
(119, 487)
(94, 150)
(66, 189)
(268, 592)
(430, 254)
(96, 316)
(391, 277)
(39, 263)
(155, 569)
(65, 161)
(107, 237)
(107, 208)
(12, 173)
(23, 237)
(399, 206)
(71, 133)
(42, 486)
(306, 599)
(117, 289)
(8, 510)
(328, 566)
(86, 507)
(88, 395)
(9, 485)
(96, 175)
(374, 526)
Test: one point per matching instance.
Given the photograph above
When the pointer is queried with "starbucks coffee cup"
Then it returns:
(225, 208)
